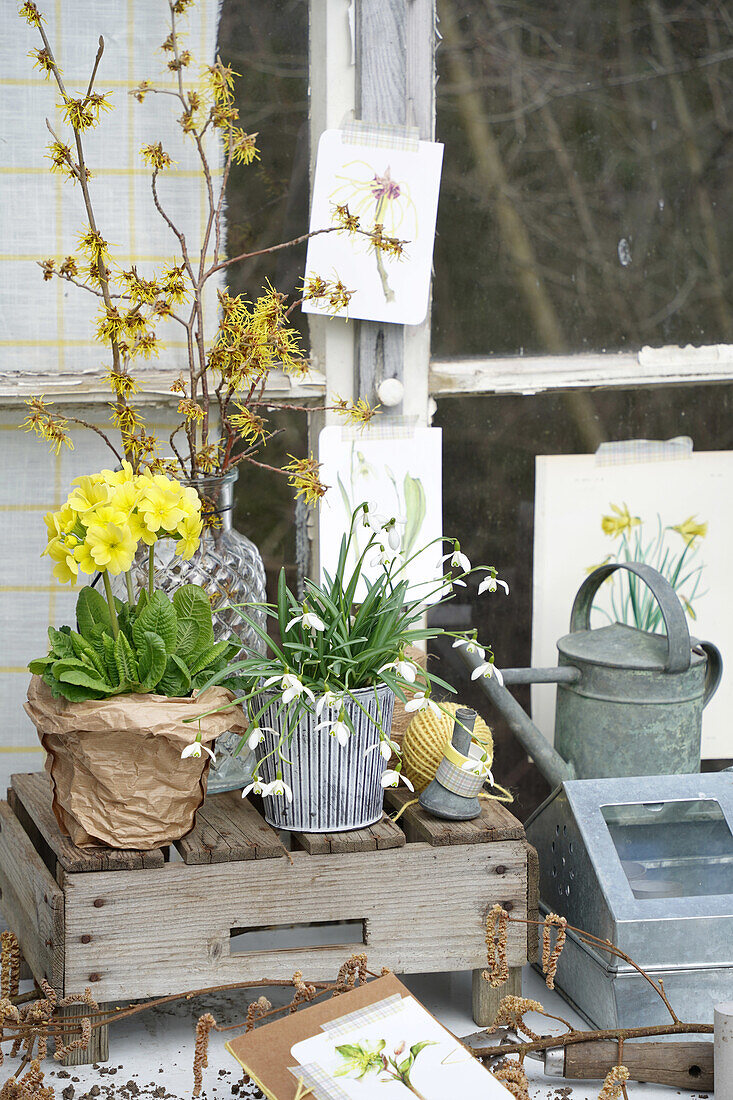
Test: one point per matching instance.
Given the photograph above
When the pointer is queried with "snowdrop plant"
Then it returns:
(331, 646)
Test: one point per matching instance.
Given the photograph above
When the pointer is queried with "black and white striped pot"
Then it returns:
(335, 787)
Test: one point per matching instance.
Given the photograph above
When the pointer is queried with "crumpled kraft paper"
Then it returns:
(115, 764)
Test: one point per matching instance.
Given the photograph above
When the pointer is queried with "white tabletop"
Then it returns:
(154, 1050)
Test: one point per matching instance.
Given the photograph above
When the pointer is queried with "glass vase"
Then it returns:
(228, 566)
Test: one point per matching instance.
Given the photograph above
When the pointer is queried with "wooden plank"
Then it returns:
(31, 901)
(98, 1048)
(229, 828)
(485, 998)
(665, 366)
(533, 903)
(424, 910)
(33, 793)
(495, 823)
(384, 834)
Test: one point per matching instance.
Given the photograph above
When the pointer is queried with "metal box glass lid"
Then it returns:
(645, 862)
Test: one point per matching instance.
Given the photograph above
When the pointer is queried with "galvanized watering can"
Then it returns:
(628, 702)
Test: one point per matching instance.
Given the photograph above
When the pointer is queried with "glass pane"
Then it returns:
(673, 849)
(267, 203)
(586, 182)
(489, 450)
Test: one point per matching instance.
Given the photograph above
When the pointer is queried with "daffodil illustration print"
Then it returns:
(361, 1059)
(377, 197)
(673, 550)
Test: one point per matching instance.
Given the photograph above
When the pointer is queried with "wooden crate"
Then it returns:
(140, 924)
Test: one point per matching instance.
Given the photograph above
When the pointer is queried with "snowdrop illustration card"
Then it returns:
(398, 472)
(390, 1050)
(383, 186)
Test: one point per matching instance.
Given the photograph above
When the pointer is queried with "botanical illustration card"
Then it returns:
(672, 513)
(398, 472)
(392, 1050)
(375, 1043)
(394, 185)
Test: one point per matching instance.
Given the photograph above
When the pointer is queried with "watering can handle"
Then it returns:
(678, 636)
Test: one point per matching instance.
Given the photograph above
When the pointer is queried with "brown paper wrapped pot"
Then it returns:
(115, 764)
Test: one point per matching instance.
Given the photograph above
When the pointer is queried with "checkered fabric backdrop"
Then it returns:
(45, 327)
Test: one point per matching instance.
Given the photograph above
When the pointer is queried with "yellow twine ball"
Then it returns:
(426, 739)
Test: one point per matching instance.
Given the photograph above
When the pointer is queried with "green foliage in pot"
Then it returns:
(157, 645)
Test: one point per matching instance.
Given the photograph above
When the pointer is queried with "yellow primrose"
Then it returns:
(105, 513)
(189, 532)
(619, 523)
(84, 559)
(160, 508)
(89, 493)
(119, 477)
(139, 531)
(111, 547)
(61, 522)
(126, 496)
(690, 530)
(65, 570)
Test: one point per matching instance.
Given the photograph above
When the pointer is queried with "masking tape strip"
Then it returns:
(456, 779)
(385, 427)
(629, 451)
(404, 138)
(380, 1010)
(317, 1082)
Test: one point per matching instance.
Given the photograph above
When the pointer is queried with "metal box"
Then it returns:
(647, 863)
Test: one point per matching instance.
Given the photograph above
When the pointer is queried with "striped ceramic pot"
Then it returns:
(334, 787)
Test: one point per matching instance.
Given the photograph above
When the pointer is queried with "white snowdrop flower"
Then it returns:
(392, 778)
(257, 736)
(406, 669)
(195, 749)
(457, 559)
(310, 621)
(470, 645)
(420, 701)
(487, 669)
(278, 787)
(328, 700)
(338, 729)
(490, 584)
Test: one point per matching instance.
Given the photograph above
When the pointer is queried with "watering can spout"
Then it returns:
(551, 764)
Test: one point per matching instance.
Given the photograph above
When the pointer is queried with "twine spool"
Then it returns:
(426, 739)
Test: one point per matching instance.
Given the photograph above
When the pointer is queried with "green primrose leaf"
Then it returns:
(60, 642)
(71, 671)
(125, 660)
(152, 659)
(209, 656)
(191, 602)
(176, 680)
(92, 610)
(159, 617)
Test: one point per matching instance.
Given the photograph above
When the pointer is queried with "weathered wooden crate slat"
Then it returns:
(414, 895)
(32, 902)
(229, 829)
(384, 834)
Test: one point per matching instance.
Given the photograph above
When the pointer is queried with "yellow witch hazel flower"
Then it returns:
(619, 523)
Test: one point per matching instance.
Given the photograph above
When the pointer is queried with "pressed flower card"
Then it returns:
(398, 471)
(384, 192)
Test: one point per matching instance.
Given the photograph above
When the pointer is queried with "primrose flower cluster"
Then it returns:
(107, 515)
